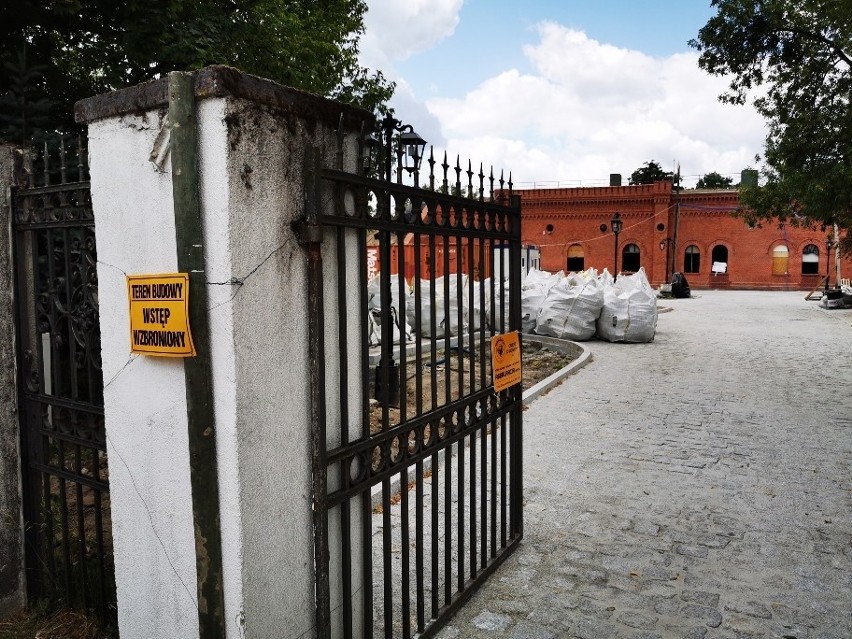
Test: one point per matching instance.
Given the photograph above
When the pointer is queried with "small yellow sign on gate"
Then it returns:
(159, 315)
(505, 360)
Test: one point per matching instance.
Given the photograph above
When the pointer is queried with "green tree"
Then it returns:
(85, 47)
(649, 173)
(24, 112)
(796, 55)
(713, 180)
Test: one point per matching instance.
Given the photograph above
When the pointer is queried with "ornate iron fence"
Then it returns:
(417, 460)
(68, 541)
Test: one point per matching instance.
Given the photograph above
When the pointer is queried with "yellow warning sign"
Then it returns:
(159, 315)
(505, 360)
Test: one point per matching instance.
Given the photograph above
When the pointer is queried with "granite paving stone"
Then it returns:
(697, 486)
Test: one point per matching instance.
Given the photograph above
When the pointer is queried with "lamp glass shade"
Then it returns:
(413, 146)
(615, 223)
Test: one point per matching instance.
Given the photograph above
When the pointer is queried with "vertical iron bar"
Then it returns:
(406, 546)
(460, 542)
(63, 171)
(460, 280)
(418, 411)
(471, 313)
(63, 505)
(433, 373)
(448, 517)
(80, 163)
(387, 553)
(99, 532)
(402, 323)
(447, 324)
(385, 298)
(385, 399)
(418, 542)
(55, 372)
(488, 254)
(35, 494)
(483, 487)
(81, 530)
(436, 484)
(515, 392)
(403, 437)
(345, 474)
(500, 400)
(433, 324)
(472, 518)
(69, 296)
(46, 160)
(366, 501)
(49, 541)
(310, 236)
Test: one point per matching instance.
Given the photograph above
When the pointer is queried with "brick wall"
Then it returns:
(662, 225)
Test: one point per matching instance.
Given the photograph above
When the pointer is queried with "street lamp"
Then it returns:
(615, 225)
(409, 151)
(663, 244)
(829, 242)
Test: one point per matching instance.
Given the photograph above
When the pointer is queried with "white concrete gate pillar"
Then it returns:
(251, 140)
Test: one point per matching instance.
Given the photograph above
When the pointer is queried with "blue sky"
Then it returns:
(491, 33)
(560, 93)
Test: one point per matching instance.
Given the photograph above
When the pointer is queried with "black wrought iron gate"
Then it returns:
(417, 460)
(68, 541)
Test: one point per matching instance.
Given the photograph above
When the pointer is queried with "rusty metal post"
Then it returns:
(309, 235)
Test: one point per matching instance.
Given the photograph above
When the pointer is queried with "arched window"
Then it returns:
(630, 261)
(576, 259)
(719, 257)
(780, 258)
(810, 260)
(691, 259)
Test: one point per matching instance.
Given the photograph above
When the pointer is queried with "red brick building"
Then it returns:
(665, 232)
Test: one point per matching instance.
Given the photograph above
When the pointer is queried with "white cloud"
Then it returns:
(589, 109)
(396, 29)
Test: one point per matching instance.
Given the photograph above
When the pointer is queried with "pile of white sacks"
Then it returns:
(575, 307)
(448, 320)
(581, 306)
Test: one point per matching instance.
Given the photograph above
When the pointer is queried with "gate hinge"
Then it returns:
(307, 232)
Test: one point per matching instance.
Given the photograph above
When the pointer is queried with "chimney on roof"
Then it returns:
(748, 177)
(615, 179)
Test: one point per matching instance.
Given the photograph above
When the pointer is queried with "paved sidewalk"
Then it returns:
(699, 486)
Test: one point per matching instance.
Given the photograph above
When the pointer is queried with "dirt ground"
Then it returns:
(537, 363)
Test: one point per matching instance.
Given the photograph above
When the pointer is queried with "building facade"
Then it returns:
(692, 232)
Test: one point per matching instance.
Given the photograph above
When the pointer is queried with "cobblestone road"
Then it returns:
(699, 486)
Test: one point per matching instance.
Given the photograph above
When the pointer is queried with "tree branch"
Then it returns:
(819, 38)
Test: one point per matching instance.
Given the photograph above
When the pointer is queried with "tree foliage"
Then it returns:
(649, 173)
(713, 180)
(85, 47)
(795, 58)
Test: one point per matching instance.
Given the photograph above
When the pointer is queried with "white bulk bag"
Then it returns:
(534, 288)
(630, 310)
(571, 309)
(477, 315)
(446, 311)
(374, 301)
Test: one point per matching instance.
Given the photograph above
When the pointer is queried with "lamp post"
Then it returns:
(409, 154)
(829, 242)
(615, 225)
(663, 245)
